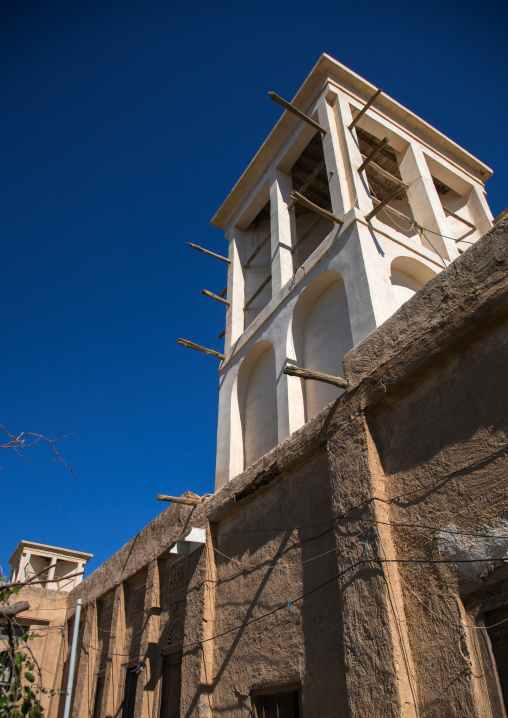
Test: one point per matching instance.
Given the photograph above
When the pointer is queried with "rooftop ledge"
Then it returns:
(328, 68)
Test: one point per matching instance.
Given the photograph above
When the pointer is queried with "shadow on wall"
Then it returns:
(321, 337)
(407, 277)
(257, 399)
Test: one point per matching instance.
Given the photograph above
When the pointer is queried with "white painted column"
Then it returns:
(479, 210)
(51, 571)
(290, 406)
(425, 203)
(377, 271)
(229, 461)
(282, 229)
(23, 563)
(236, 289)
(337, 180)
(366, 278)
(352, 157)
(78, 579)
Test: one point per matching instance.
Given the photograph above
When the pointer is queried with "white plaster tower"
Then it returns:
(333, 225)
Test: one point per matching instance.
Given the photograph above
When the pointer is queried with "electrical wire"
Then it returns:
(439, 618)
(288, 604)
(434, 248)
(393, 499)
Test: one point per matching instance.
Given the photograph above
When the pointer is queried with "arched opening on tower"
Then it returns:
(322, 336)
(257, 398)
(407, 276)
(310, 179)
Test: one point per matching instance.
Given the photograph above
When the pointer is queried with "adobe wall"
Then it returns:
(44, 621)
(379, 622)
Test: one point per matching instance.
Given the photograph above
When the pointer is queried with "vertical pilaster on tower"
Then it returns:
(335, 169)
(282, 229)
(360, 195)
(236, 289)
(425, 203)
(479, 209)
(290, 404)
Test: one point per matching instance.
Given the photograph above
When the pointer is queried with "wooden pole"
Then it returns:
(461, 219)
(178, 500)
(307, 182)
(222, 334)
(315, 207)
(288, 106)
(190, 345)
(394, 211)
(377, 149)
(376, 209)
(257, 292)
(257, 250)
(387, 175)
(215, 296)
(291, 370)
(365, 108)
(210, 254)
(304, 236)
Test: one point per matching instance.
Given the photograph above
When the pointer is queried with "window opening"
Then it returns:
(257, 265)
(178, 575)
(105, 621)
(174, 634)
(283, 704)
(129, 696)
(135, 601)
(18, 631)
(497, 622)
(383, 175)
(135, 647)
(99, 692)
(63, 569)
(310, 179)
(171, 685)
(38, 565)
(456, 210)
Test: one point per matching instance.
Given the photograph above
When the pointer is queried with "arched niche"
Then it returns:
(408, 275)
(257, 399)
(321, 337)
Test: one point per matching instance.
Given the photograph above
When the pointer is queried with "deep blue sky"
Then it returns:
(124, 125)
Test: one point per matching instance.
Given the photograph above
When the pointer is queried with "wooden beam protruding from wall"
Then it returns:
(257, 250)
(288, 106)
(387, 199)
(210, 254)
(178, 499)
(292, 370)
(257, 292)
(217, 297)
(377, 149)
(315, 207)
(307, 182)
(197, 347)
(365, 108)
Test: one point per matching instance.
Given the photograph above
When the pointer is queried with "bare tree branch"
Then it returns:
(31, 581)
(28, 439)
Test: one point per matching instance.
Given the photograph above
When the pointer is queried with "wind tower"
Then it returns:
(349, 207)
